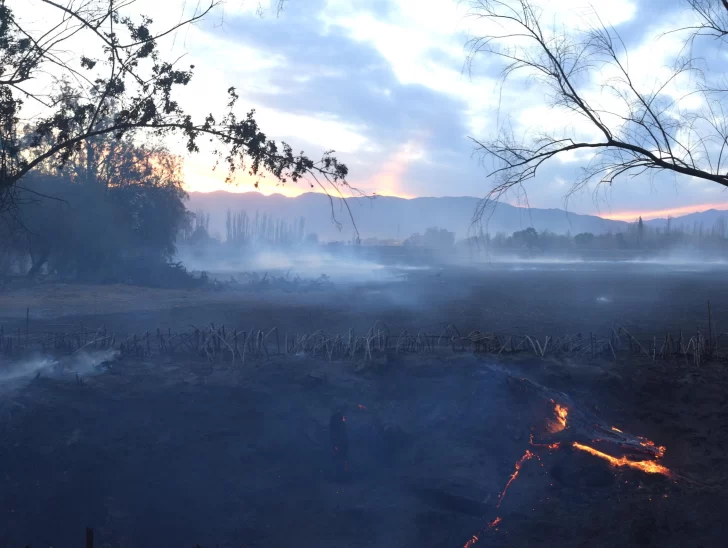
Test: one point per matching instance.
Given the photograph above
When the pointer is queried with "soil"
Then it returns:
(183, 452)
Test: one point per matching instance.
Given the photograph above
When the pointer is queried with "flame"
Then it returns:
(658, 449)
(559, 423)
(648, 466)
(560, 413)
(476, 538)
(526, 456)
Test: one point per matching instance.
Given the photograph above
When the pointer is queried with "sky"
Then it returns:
(386, 84)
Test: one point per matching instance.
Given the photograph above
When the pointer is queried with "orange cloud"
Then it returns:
(387, 182)
(199, 177)
(661, 213)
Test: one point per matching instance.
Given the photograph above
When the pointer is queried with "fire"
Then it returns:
(560, 413)
(648, 466)
(476, 538)
(528, 455)
(615, 429)
(659, 449)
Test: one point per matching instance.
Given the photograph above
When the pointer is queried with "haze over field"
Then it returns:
(363, 273)
(387, 217)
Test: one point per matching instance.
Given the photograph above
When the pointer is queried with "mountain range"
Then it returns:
(387, 217)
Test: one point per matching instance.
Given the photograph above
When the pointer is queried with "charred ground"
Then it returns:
(178, 451)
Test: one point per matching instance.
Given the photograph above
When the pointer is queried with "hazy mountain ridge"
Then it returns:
(705, 218)
(390, 217)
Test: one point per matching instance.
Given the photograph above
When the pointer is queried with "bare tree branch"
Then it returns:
(651, 129)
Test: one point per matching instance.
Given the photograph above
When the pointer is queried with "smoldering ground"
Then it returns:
(79, 365)
(241, 451)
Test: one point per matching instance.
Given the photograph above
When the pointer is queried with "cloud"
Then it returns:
(385, 83)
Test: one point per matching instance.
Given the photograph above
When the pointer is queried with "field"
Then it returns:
(187, 449)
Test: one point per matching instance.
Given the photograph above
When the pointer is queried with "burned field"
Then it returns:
(443, 441)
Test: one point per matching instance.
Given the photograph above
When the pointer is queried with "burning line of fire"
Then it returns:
(561, 414)
(651, 467)
(475, 538)
(528, 455)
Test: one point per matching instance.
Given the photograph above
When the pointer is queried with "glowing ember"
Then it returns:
(659, 449)
(494, 523)
(550, 446)
(615, 429)
(526, 456)
(648, 466)
(471, 542)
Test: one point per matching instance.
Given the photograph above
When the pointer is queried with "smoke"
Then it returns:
(340, 266)
(81, 364)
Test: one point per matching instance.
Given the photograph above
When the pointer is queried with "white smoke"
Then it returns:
(80, 364)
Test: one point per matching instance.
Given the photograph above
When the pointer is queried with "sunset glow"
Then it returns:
(662, 213)
(201, 178)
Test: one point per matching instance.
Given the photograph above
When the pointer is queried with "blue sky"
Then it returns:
(385, 84)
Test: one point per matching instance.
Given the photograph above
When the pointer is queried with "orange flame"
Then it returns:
(659, 449)
(471, 542)
(526, 456)
(615, 429)
(494, 523)
(560, 412)
(648, 466)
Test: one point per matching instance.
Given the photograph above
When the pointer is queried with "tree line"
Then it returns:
(244, 231)
(638, 240)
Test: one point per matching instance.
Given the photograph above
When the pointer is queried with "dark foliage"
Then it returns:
(639, 241)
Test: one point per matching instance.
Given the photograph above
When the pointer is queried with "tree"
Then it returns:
(650, 131)
(527, 237)
(438, 238)
(128, 213)
(584, 239)
(122, 84)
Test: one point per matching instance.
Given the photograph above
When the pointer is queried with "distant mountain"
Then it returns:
(389, 217)
(705, 218)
